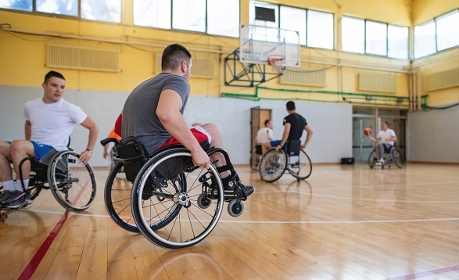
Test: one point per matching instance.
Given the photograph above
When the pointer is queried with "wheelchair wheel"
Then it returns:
(72, 183)
(185, 201)
(272, 165)
(372, 159)
(117, 197)
(254, 160)
(397, 158)
(300, 166)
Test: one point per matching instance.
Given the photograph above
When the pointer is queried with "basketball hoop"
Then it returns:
(275, 60)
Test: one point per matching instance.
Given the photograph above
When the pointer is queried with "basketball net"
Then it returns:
(275, 60)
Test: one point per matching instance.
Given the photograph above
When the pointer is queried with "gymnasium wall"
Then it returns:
(23, 57)
(232, 116)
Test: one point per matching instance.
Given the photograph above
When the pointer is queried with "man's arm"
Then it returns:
(168, 112)
(287, 127)
(309, 133)
(88, 123)
(28, 130)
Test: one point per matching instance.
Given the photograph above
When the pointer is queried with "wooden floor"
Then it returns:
(344, 222)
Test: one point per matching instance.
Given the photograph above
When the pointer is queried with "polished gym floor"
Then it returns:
(343, 222)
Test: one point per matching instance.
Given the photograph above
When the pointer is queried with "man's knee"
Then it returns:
(21, 147)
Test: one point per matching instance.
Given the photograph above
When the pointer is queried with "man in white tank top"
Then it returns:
(49, 121)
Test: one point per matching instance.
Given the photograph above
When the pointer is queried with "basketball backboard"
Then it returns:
(258, 43)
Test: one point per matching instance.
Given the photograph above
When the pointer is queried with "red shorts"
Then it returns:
(200, 136)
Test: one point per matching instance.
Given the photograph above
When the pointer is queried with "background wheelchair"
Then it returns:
(72, 184)
(173, 203)
(255, 157)
(291, 159)
(391, 156)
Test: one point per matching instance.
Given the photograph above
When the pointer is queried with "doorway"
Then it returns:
(257, 121)
(372, 118)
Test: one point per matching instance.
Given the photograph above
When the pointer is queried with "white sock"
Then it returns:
(9, 185)
(19, 186)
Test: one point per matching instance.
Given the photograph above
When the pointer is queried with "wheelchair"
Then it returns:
(72, 184)
(173, 203)
(291, 159)
(391, 156)
(255, 157)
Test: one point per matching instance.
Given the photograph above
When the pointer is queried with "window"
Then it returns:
(320, 30)
(21, 5)
(397, 37)
(424, 39)
(253, 21)
(103, 10)
(189, 15)
(353, 34)
(376, 38)
(447, 31)
(223, 17)
(153, 13)
(294, 19)
(69, 8)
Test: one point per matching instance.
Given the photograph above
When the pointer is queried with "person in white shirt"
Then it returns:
(49, 121)
(265, 135)
(384, 141)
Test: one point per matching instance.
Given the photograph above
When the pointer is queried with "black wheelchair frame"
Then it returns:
(255, 157)
(73, 185)
(173, 203)
(391, 156)
(291, 159)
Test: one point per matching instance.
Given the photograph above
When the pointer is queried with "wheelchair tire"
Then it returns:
(117, 197)
(72, 183)
(300, 166)
(254, 160)
(397, 158)
(372, 159)
(272, 165)
(183, 221)
(235, 208)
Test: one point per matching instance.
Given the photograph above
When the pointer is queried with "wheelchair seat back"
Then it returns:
(293, 147)
(258, 149)
(132, 155)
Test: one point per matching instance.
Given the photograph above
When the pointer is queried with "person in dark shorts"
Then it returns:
(294, 125)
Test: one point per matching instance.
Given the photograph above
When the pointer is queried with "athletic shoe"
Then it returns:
(6, 195)
(247, 190)
(18, 200)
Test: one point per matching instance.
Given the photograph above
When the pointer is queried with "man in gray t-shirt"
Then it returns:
(153, 113)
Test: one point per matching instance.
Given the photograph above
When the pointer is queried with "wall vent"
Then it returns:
(202, 67)
(377, 82)
(83, 58)
(442, 80)
(304, 76)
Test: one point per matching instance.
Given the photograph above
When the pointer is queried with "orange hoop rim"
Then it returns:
(275, 58)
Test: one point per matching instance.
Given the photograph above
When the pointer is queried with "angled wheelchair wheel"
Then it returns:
(254, 160)
(72, 183)
(184, 201)
(397, 158)
(272, 165)
(372, 159)
(300, 166)
(117, 197)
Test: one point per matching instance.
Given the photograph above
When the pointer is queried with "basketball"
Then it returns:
(367, 131)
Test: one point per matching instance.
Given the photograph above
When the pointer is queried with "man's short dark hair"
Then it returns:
(291, 106)
(386, 122)
(267, 121)
(53, 74)
(173, 55)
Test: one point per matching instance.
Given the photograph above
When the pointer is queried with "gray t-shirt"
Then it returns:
(139, 112)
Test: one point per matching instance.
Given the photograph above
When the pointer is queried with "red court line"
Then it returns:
(35, 261)
(38, 257)
(427, 273)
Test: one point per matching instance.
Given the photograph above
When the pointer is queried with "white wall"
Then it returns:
(331, 123)
(433, 136)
